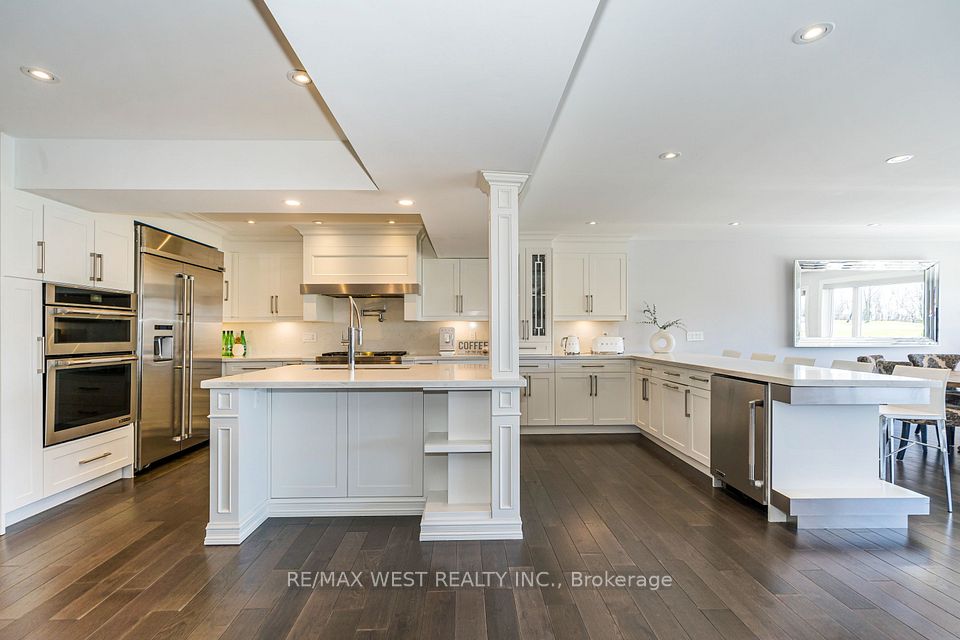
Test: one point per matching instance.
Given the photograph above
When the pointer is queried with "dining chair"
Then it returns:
(933, 412)
(730, 353)
(808, 362)
(851, 365)
(764, 357)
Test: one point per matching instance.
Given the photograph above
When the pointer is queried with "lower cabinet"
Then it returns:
(346, 444)
(538, 400)
(594, 393)
(646, 393)
(574, 398)
(675, 412)
(699, 408)
(676, 429)
(611, 399)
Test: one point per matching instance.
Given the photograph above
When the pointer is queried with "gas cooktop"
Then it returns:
(363, 357)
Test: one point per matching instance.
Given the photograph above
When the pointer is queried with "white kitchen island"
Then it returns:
(440, 441)
(813, 435)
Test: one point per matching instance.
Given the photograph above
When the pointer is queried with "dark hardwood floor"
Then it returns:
(127, 561)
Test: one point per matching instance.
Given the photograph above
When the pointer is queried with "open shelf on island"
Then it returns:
(438, 507)
(439, 442)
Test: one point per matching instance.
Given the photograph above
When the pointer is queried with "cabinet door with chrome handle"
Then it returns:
(42, 246)
(686, 403)
(93, 266)
(645, 389)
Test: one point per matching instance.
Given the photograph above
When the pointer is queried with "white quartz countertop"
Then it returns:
(310, 376)
(783, 374)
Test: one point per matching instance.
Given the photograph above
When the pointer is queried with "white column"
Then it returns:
(503, 191)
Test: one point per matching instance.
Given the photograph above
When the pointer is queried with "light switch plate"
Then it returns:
(694, 336)
(309, 336)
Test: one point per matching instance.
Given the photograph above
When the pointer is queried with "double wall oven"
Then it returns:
(89, 343)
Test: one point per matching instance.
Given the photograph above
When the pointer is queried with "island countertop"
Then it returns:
(782, 374)
(312, 376)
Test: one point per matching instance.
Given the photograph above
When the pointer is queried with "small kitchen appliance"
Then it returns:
(607, 344)
(448, 341)
(570, 345)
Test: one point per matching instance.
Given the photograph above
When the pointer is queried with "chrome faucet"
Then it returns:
(354, 334)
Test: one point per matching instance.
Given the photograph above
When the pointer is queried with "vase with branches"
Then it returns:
(661, 341)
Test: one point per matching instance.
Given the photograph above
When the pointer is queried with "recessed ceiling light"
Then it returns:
(299, 76)
(291, 202)
(874, 224)
(391, 222)
(733, 224)
(40, 74)
(592, 222)
(899, 159)
(405, 202)
(813, 32)
(251, 222)
(669, 155)
(318, 222)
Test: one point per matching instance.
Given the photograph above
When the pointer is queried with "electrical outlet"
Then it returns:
(309, 336)
(694, 336)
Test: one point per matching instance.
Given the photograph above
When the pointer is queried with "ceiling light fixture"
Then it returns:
(898, 159)
(318, 222)
(36, 73)
(812, 33)
(291, 202)
(669, 155)
(251, 222)
(733, 224)
(391, 222)
(874, 224)
(405, 202)
(592, 222)
(299, 76)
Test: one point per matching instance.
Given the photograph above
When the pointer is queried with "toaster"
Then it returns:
(607, 344)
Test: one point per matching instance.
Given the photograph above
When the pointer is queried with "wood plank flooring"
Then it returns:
(127, 562)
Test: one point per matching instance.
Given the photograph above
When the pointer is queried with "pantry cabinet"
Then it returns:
(454, 289)
(589, 286)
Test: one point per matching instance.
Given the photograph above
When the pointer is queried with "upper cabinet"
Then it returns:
(454, 289)
(536, 318)
(266, 286)
(52, 242)
(590, 286)
(229, 286)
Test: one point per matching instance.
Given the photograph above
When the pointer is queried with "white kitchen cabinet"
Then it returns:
(655, 399)
(21, 392)
(538, 400)
(114, 245)
(385, 456)
(641, 398)
(267, 286)
(21, 236)
(69, 237)
(72, 463)
(589, 286)
(308, 457)
(536, 314)
(698, 406)
(574, 398)
(612, 398)
(676, 426)
(454, 288)
(229, 286)
(238, 366)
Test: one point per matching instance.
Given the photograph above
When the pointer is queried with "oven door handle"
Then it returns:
(79, 311)
(93, 361)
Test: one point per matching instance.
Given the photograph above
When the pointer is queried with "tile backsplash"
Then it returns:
(286, 339)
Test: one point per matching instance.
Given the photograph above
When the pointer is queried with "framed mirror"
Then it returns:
(853, 303)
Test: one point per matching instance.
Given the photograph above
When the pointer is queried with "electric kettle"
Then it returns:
(570, 345)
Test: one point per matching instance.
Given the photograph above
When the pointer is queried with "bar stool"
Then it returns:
(730, 353)
(933, 412)
(850, 365)
(808, 362)
(763, 357)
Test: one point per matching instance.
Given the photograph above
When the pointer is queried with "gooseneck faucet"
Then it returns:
(354, 334)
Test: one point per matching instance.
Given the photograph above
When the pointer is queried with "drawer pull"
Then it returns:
(672, 373)
(593, 366)
(671, 386)
(103, 455)
(699, 379)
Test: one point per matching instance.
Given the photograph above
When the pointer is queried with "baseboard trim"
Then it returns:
(218, 533)
(332, 507)
(484, 529)
(43, 504)
(583, 429)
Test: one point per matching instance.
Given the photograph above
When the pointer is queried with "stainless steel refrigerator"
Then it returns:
(180, 289)
(739, 435)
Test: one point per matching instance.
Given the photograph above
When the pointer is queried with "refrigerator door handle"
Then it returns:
(183, 355)
(188, 405)
(752, 443)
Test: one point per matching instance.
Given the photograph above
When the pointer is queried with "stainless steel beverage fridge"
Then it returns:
(180, 289)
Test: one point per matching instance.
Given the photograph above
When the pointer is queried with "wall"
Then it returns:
(740, 292)
(285, 339)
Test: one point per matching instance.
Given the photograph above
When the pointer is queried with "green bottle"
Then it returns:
(243, 341)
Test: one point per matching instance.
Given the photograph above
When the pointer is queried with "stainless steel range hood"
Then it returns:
(379, 290)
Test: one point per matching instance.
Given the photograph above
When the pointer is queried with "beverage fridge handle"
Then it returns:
(752, 443)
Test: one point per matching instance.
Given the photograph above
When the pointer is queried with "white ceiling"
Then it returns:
(430, 92)
(772, 133)
(151, 69)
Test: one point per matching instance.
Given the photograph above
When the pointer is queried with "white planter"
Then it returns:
(662, 342)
